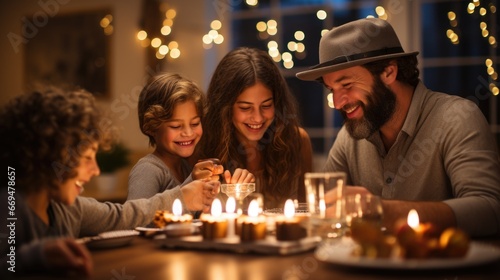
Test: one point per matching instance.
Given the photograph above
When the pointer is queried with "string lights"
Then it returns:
(483, 11)
(160, 40)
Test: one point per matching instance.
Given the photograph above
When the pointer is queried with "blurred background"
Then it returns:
(111, 47)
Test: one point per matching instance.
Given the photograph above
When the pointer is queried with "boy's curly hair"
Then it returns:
(45, 132)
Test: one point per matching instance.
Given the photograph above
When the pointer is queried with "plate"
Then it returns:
(340, 253)
(110, 239)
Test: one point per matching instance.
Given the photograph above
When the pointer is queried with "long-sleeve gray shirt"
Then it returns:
(150, 176)
(86, 217)
(444, 152)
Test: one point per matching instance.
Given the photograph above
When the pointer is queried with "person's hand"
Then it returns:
(207, 169)
(66, 254)
(331, 196)
(198, 195)
(239, 176)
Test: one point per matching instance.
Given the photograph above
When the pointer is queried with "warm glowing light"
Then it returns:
(413, 220)
(449, 32)
(166, 30)
(286, 56)
(213, 34)
(175, 53)
(145, 43)
(216, 209)
(253, 208)
(252, 2)
(216, 24)
(261, 26)
(301, 47)
(163, 49)
(299, 35)
(168, 22)
(493, 8)
(272, 31)
(495, 91)
(485, 33)
(492, 40)
(323, 32)
(482, 11)
(141, 35)
(177, 207)
(380, 10)
(483, 25)
(292, 46)
(272, 45)
(329, 98)
(173, 45)
(452, 15)
(454, 23)
(170, 14)
(159, 55)
(274, 53)
(271, 24)
(289, 209)
(155, 42)
(207, 39)
(471, 7)
(288, 64)
(219, 39)
(321, 14)
(276, 57)
(108, 30)
(104, 22)
(490, 70)
(230, 205)
(488, 62)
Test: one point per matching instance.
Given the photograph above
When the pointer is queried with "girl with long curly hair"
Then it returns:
(252, 122)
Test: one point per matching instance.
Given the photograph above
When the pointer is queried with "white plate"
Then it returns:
(340, 253)
(110, 239)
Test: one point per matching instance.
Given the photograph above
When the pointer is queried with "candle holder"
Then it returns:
(253, 226)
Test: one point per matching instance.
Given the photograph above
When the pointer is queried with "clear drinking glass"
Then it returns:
(325, 202)
(364, 208)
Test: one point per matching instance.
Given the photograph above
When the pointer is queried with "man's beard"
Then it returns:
(379, 109)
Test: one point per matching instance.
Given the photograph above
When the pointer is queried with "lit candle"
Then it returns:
(423, 230)
(214, 225)
(253, 226)
(288, 226)
(230, 208)
(163, 218)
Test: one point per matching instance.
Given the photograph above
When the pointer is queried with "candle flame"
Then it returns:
(177, 207)
(216, 208)
(413, 220)
(253, 208)
(230, 205)
(289, 209)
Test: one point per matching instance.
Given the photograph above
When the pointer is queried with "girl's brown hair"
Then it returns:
(281, 144)
(159, 98)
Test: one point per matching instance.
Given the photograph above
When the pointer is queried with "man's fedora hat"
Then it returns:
(355, 43)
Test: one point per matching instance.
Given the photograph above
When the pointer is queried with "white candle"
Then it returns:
(230, 207)
(177, 208)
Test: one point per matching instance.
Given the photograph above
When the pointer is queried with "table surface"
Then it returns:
(146, 259)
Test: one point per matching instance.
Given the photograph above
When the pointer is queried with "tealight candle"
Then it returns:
(288, 226)
(423, 230)
(214, 225)
(253, 226)
(164, 218)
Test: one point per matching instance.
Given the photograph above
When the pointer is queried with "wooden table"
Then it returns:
(144, 259)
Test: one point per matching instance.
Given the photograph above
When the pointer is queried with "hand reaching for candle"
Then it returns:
(208, 169)
(239, 176)
(198, 195)
(67, 254)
